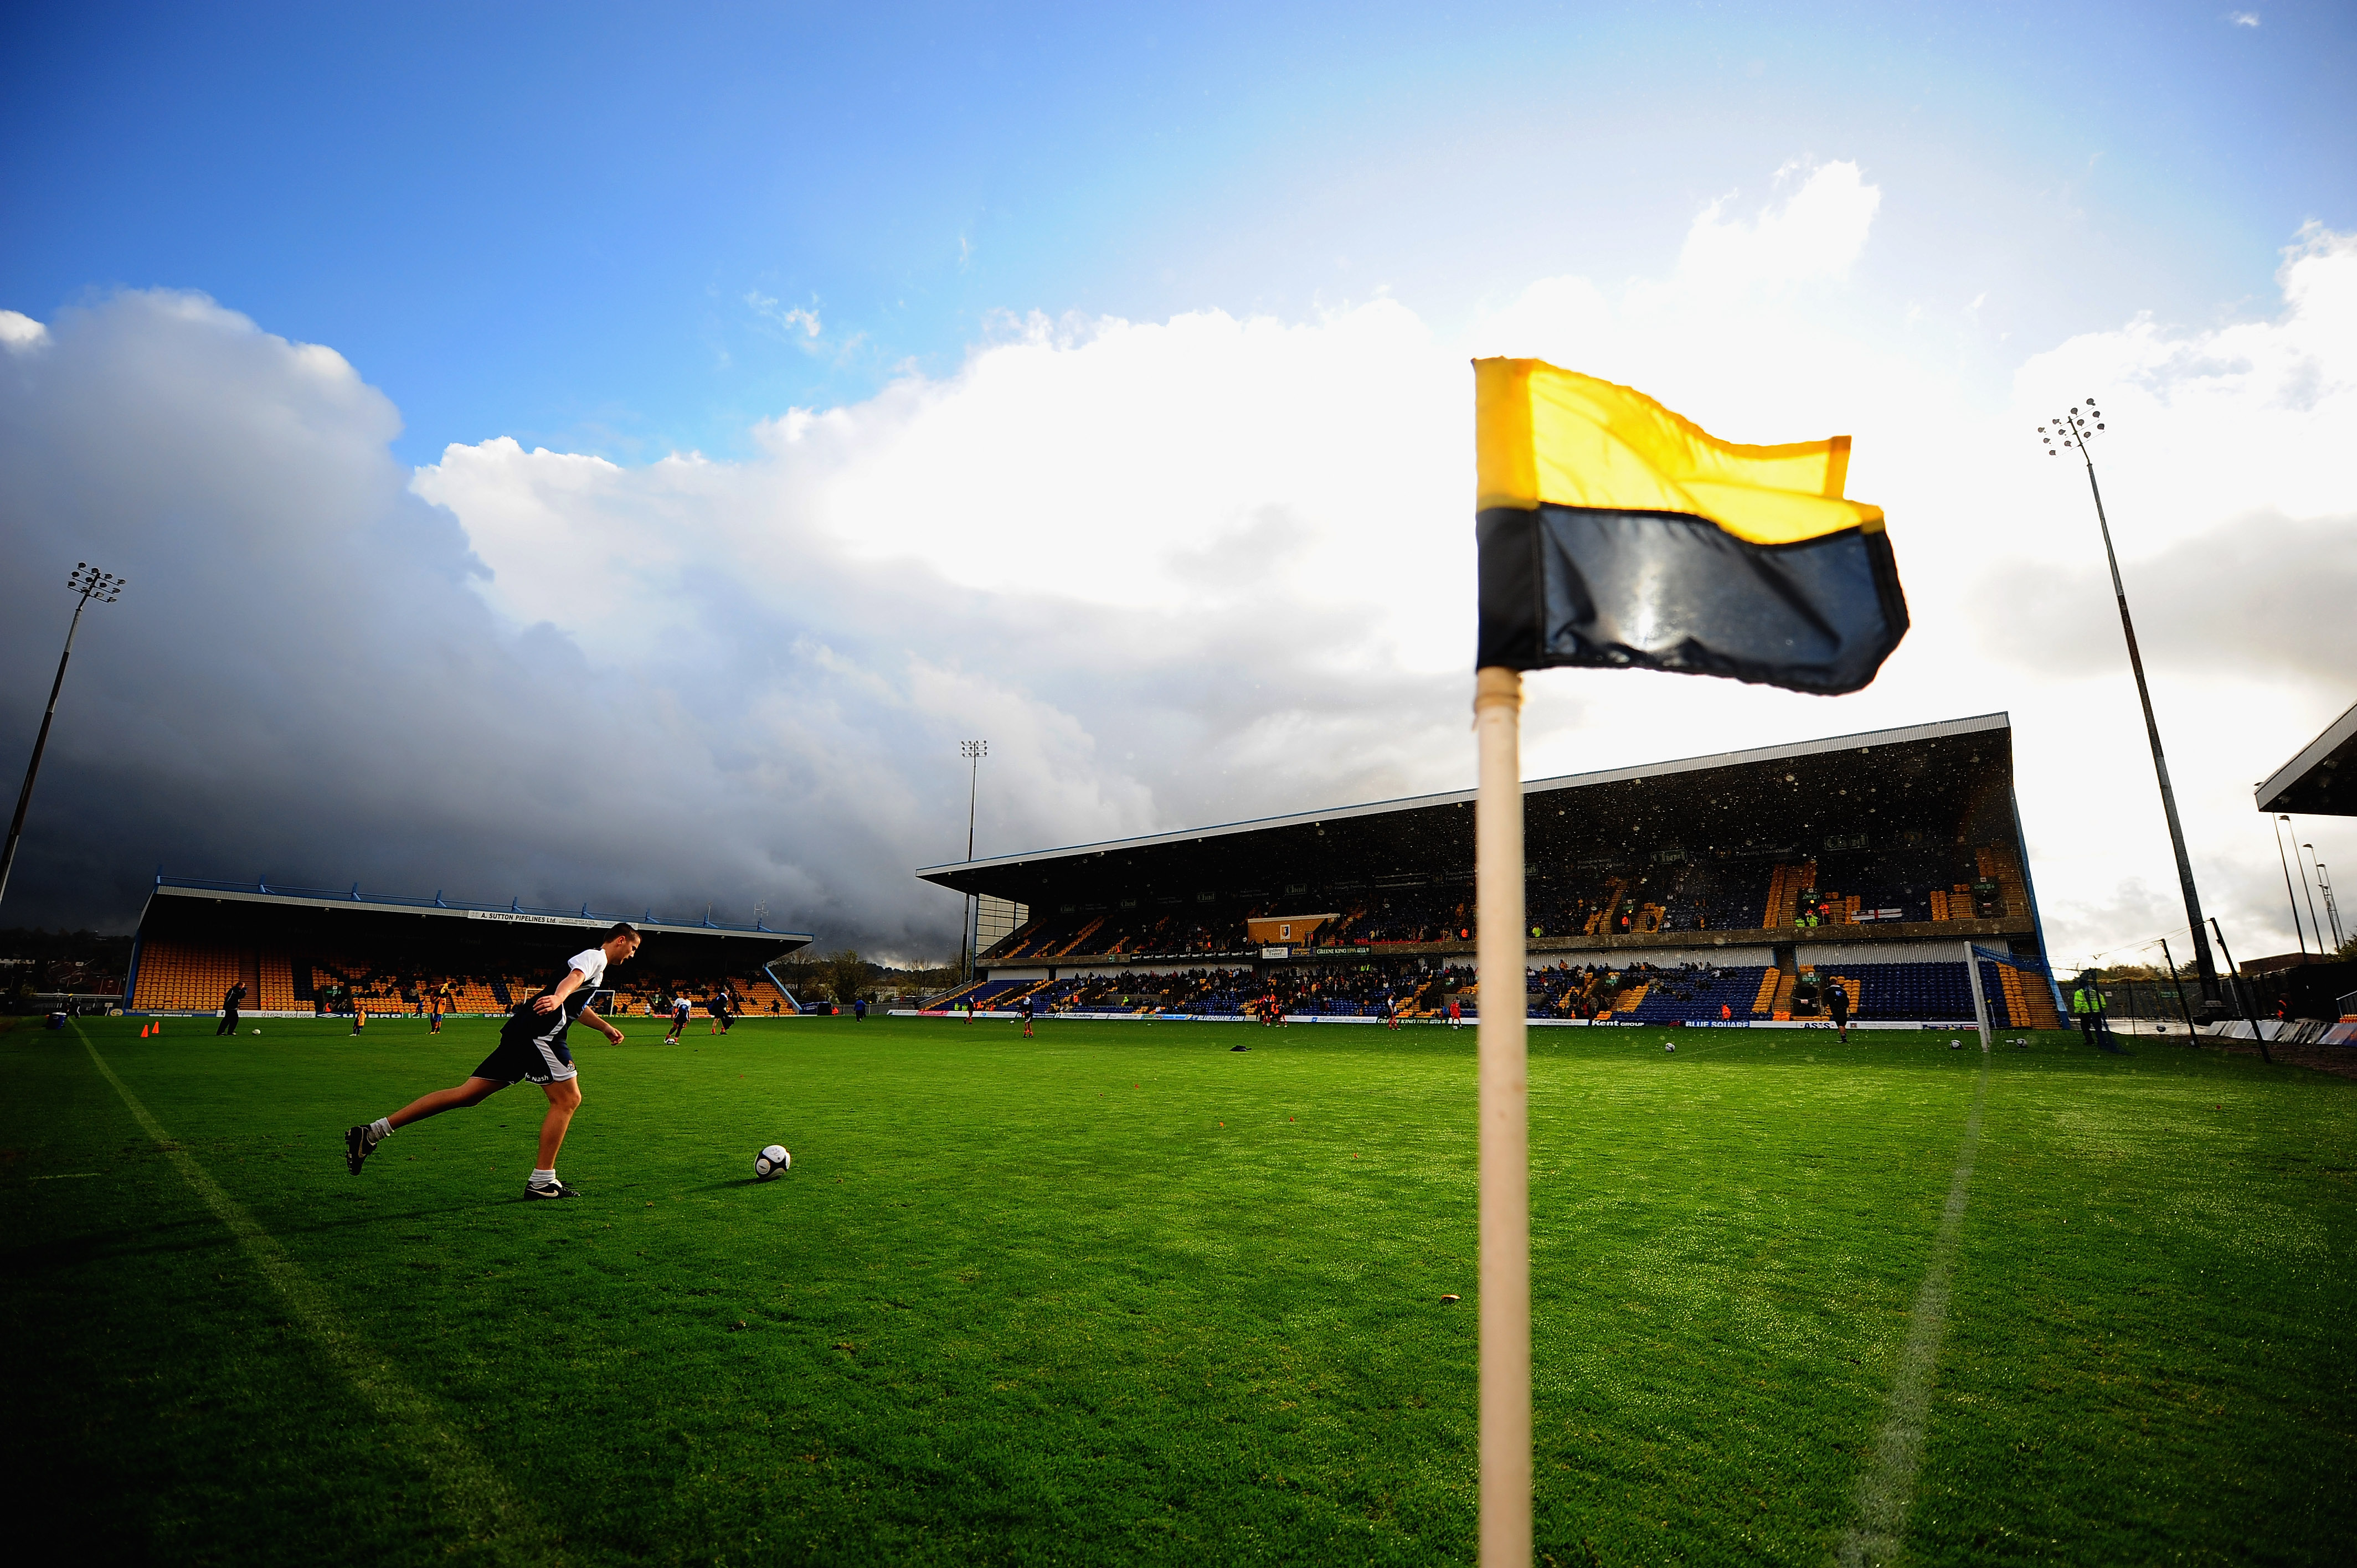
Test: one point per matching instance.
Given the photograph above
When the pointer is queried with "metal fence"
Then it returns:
(2174, 1002)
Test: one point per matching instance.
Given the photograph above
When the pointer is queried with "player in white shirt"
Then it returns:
(531, 1049)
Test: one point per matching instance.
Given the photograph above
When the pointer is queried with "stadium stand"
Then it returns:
(1847, 890)
(304, 950)
(1711, 888)
(196, 976)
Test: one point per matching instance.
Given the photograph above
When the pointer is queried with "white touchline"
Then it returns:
(1884, 1491)
(471, 1488)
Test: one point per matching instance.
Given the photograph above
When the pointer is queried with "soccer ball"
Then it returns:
(770, 1162)
(1671, 1047)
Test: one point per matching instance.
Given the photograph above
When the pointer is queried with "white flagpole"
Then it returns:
(1505, 1271)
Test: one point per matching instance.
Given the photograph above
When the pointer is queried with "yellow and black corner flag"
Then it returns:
(1614, 532)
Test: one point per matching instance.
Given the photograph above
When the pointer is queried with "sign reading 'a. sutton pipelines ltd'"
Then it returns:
(533, 919)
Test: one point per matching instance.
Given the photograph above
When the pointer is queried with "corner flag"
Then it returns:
(1614, 532)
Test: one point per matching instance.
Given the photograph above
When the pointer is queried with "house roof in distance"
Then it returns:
(2317, 782)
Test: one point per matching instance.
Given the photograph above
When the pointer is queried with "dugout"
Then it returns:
(1875, 856)
(299, 951)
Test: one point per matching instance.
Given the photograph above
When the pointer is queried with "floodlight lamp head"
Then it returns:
(93, 583)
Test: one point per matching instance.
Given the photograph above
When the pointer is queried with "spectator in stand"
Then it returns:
(230, 999)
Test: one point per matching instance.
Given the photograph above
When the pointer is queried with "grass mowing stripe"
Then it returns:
(1884, 1490)
(489, 1512)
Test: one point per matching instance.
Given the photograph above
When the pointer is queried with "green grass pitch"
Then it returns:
(1119, 1294)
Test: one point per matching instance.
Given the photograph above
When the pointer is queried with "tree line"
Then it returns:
(844, 977)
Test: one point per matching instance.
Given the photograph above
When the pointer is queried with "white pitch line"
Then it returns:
(468, 1486)
(1888, 1484)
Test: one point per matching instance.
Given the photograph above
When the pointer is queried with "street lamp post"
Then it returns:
(2331, 909)
(974, 751)
(91, 584)
(2179, 986)
(2289, 897)
(2310, 894)
(2073, 430)
(2243, 994)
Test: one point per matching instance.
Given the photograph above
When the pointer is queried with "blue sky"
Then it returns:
(559, 223)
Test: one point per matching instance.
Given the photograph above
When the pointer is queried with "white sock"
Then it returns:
(379, 1129)
(543, 1178)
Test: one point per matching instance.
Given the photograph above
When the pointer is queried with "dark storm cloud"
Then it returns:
(302, 682)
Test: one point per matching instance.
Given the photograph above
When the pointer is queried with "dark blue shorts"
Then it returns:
(531, 1050)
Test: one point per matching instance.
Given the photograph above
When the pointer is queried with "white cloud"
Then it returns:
(2243, 19)
(1208, 471)
(20, 333)
(1177, 571)
(2208, 422)
(2234, 519)
(1815, 235)
(794, 319)
(1157, 565)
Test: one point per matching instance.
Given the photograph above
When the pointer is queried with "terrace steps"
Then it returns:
(1785, 885)
(1084, 933)
(2027, 1002)
(1607, 907)
(1999, 867)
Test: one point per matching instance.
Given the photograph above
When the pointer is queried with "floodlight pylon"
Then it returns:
(91, 584)
(2074, 429)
